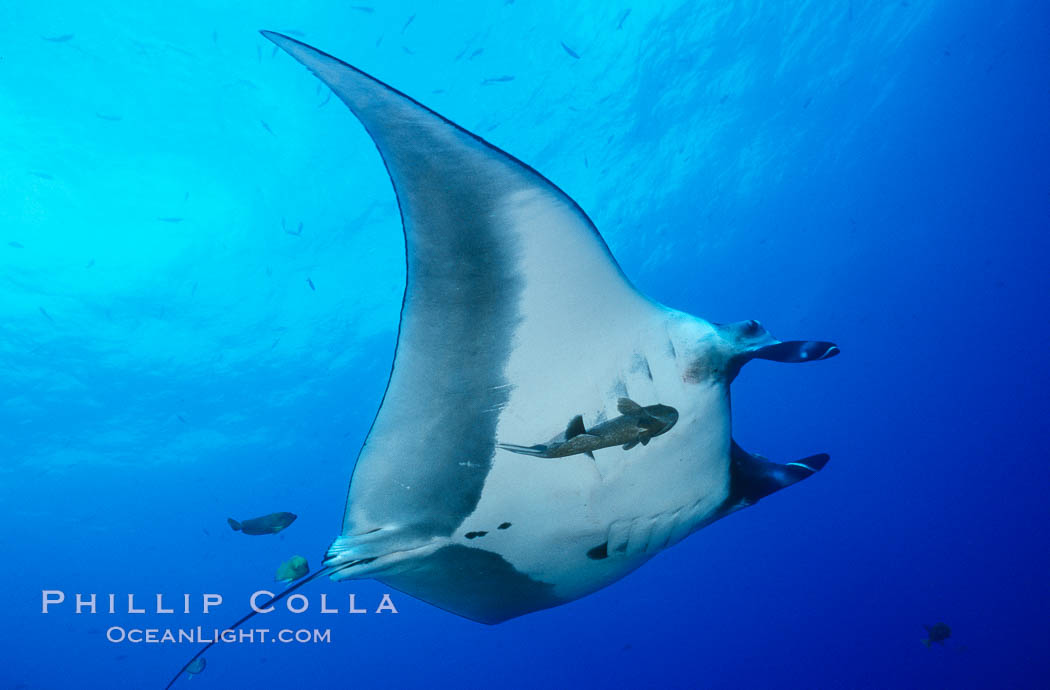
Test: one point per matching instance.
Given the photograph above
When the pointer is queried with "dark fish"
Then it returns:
(623, 16)
(311, 284)
(266, 126)
(45, 314)
(170, 219)
(41, 175)
(195, 666)
(181, 419)
(16, 245)
(362, 8)
(570, 51)
(58, 39)
(636, 424)
(408, 23)
(476, 53)
(106, 116)
(938, 632)
(267, 524)
(498, 80)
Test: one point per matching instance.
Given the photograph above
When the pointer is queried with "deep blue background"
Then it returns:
(877, 174)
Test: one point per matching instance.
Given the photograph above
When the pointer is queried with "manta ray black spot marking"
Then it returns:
(599, 552)
(473, 535)
(504, 525)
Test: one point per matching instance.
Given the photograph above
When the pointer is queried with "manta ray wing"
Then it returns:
(500, 264)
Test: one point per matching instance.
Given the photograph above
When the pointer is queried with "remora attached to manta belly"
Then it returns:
(636, 424)
(516, 318)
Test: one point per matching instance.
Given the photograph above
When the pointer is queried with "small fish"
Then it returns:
(636, 425)
(214, 36)
(90, 264)
(45, 314)
(185, 197)
(58, 39)
(266, 127)
(623, 16)
(408, 51)
(295, 32)
(311, 284)
(41, 175)
(16, 245)
(498, 80)
(195, 666)
(408, 23)
(292, 569)
(107, 116)
(171, 219)
(570, 51)
(267, 524)
(476, 53)
(181, 419)
(938, 632)
(273, 53)
(362, 8)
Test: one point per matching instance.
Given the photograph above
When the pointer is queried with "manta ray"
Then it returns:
(515, 318)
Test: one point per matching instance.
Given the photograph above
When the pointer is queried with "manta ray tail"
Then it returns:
(277, 597)
(538, 451)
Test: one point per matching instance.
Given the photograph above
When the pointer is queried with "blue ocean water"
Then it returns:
(174, 350)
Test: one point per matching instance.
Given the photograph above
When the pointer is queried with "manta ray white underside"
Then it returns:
(516, 319)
